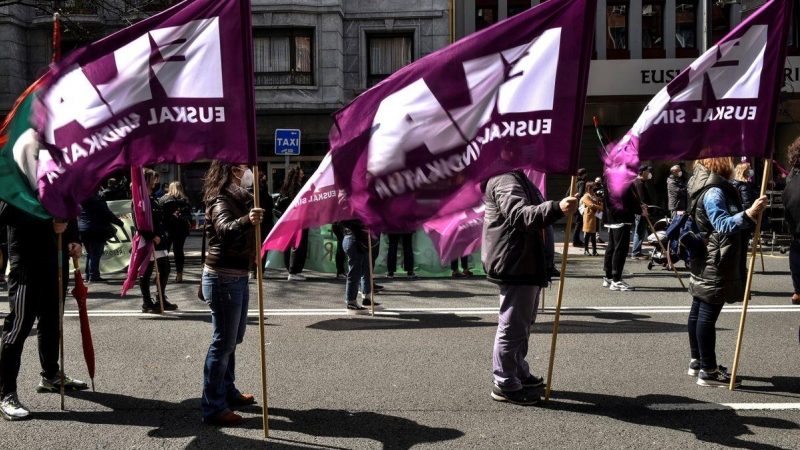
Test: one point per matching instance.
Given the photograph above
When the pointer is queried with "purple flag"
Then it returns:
(460, 233)
(141, 250)
(171, 89)
(414, 147)
(723, 104)
(319, 202)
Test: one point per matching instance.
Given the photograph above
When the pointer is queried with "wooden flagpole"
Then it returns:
(751, 266)
(559, 295)
(260, 290)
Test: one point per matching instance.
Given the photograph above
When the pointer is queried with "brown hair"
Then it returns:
(217, 177)
(149, 176)
(740, 172)
(794, 153)
(722, 166)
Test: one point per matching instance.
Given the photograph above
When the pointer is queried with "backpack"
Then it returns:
(185, 211)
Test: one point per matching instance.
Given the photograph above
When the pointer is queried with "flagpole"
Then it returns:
(61, 314)
(371, 284)
(748, 285)
(260, 290)
(559, 295)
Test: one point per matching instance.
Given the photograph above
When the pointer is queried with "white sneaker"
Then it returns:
(606, 282)
(621, 286)
(296, 277)
(12, 409)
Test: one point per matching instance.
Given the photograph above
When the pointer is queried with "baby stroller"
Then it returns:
(680, 238)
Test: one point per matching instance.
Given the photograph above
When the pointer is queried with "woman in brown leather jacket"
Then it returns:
(231, 252)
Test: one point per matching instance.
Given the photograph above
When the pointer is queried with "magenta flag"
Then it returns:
(174, 88)
(141, 250)
(414, 147)
(319, 202)
(723, 104)
(461, 233)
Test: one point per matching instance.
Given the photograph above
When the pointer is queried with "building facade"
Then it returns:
(312, 57)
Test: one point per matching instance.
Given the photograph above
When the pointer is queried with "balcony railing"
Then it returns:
(85, 7)
(148, 6)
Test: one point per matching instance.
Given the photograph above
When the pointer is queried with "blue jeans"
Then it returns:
(228, 298)
(357, 270)
(639, 233)
(94, 250)
(703, 334)
(517, 313)
(794, 264)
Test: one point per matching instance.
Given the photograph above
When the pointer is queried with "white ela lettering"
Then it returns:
(707, 114)
(96, 142)
(186, 114)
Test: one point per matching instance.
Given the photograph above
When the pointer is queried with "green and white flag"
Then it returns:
(19, 154)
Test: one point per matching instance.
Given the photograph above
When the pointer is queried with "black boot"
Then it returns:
(149, 307)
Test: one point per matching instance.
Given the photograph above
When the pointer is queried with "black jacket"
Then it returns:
(625, 213)
(791, 203)
(747, 192)
(177, 215)
(159, 230)
(231, 236)
(513, 245)
(32, 241)
(720, 276)
(95, 217)
(677, 190)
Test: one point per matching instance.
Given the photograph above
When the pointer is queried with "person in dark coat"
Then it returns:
(93, 226)
(791, 204)
(580, 190)
(677, 192)
(295, 257)
(720, 276)
(178, 221)
(619, 218)
(513, 256)
(114, 192)
(640, 221)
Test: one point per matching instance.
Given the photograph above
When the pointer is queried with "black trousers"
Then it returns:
(464, 261)
(295, 258)
(178, 240)
(163, 274)
(408, 252)
(32, 294)
(341, 256)
(576, 233)
(619, 240)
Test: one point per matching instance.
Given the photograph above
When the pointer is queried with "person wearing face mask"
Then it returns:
(231, 220)
(160, 240)
(640, 224)
(741, 180)
(295, 257)
(677, 192)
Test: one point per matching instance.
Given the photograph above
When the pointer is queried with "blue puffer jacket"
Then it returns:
(95, 217)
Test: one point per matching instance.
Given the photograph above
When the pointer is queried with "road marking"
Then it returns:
(458, 311)
(724, 406)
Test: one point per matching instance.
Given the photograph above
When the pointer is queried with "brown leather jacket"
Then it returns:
(231, 236)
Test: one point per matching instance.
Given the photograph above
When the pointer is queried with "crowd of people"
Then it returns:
(517, 256)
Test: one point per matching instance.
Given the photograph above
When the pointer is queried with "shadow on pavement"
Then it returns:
(402, 322)
(722, 427)
(167, 420)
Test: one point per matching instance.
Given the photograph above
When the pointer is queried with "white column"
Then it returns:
(669, 28)
(635, 29)
(600, 29)
(704, 25)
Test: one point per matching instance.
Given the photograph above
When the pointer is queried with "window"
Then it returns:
(485, 14)
(386, 54)
(686, 29)
(720, 22)
(617, 30)
(283, 57)
(653, 29)
(517, 6)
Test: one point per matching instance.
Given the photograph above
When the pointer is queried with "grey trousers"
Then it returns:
(518, 306)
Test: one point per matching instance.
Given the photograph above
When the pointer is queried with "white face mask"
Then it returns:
(649, 176)
(680, 174)
(750, 173)
(246, 180)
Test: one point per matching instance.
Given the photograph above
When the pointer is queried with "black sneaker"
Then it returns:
(169, 306)
(694, 368)
(353, 308)
(368, 302)
(377, 287)
(412, 276)
(54, 384)
(715, 379)
(150, 308)
(521, 397)
(532, 382)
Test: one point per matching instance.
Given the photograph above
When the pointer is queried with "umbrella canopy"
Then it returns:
(80, 292)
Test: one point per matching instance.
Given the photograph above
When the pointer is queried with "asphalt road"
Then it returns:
(419, 373)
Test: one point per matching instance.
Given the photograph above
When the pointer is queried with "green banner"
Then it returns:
(322, 254)
(117, 253)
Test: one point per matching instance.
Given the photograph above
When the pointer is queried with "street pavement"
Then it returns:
(419, 373)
